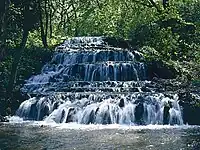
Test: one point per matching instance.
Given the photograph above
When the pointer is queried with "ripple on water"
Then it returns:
(39, 135)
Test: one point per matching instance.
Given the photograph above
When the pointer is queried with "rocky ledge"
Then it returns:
(188, 93)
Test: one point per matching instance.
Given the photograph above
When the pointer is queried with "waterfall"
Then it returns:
(90, 82)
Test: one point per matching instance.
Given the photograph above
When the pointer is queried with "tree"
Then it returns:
(29, 16)
(4, 9)
(43, 25)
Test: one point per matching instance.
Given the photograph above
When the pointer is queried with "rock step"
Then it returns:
(95, 84)
(79, 86)
(73, 57)
(103, 89)
(97, 94)
(87, 48)
(98, 63)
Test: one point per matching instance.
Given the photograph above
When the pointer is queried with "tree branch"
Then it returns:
(142, 3)
(155, 5)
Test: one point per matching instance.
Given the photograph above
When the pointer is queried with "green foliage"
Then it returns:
(150, 53)
(160, 39)
(5, 68)
(31, 63)
(172, 37)
(168, 33)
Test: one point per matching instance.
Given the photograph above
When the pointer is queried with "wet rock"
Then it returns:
(91, 117)
(190, 104)
(117, 42)
(55, 106)
(106, 118)
(70, 115)
(52, 79)
(44, 112)
(121, 103)
(96, 110)
(63, 114)
(139, 113)
(65, 78)
(160, 70)
(3, 119)
(166, 115)
(145, 89)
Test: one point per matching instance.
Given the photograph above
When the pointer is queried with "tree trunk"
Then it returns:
(165, 3)
(47, 19)
(155, 5)
(76, 22)
(43, 35)
(4, 6)
(50, 21)
(16, 63)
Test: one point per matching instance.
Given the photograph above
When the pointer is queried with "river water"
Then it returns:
(38, 136)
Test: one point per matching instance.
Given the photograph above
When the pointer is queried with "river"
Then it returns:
(38, 136)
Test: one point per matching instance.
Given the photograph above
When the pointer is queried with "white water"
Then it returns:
(90, 127)
(101, 109)
(88, 82)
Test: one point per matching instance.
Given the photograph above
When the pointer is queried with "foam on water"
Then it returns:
(15, 119)
(90, 127)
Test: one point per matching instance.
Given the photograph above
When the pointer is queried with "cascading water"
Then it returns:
(87, 81)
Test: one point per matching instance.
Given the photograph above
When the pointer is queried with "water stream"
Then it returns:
(89, 82)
